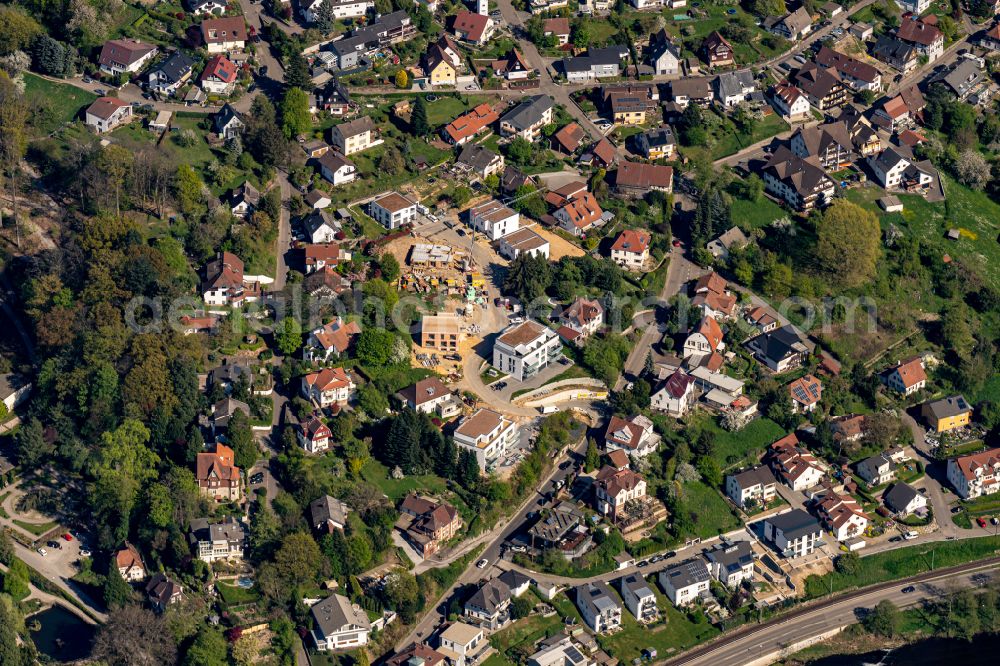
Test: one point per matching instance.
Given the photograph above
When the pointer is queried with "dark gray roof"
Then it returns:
(899, 496)
(731, 556)
(889, 47)
(476, 157)
(637, 584)
(961, 78)
(795, 524)
(554, 526)
(513, 579)
(336, 613)
(528, 113)
(750, 477)
(328, 508)
(175, 67)
(686, 573)
(596, 596)
(889, 158)
(225, 116)
(203, 530)
(947, 407)
(490, 596)
(779, 343)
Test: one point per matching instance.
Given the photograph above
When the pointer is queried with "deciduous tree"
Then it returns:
(849, 244)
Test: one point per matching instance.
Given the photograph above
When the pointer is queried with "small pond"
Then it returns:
(61, 635)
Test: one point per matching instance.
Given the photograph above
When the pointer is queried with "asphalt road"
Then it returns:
(756, 643)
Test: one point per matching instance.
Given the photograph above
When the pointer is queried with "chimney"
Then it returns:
(483, 7)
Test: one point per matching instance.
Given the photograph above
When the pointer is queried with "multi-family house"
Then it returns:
(674, 395)
(580, 213)
(527, 119)
(598, 607)
(340, 9)
(438, 67)
(895, 168)
(731, 562)
(789, 101)
(522, 350)
(903, 500)
(924, 35)
(637, 179)
(976, 474)
(805, 394)
(489, 606)
(947, 413)
(523, 241)
(704, 339)
(430, 523)
(639, 598)
(853, 73)
(487, 434)
(494, 219)
(120, 56)
(392, 210)
(598, 63)
(691, 90)
(717, 51)
(225, 34)
(353, 136)
(830, 144)
(329, 386)
(841, 514)
(821, 87)
(442, 332)
(754, 485)
(328, 514)
(793, 464)
(685, 582)
(896, 53)
(107, 113)
(961, 79)
(800, 183)
(336, 168)
(431, 396)
(614, 488)
(634, 435)
(339, 624)
(581, 319)
(128, 561)
(780, 349)
(217, 474)
(631, 249)
(313, 435)
(169, 75)
(792, 26)
(906, 377)
(794, 533)
(212, 542)
(662, 55)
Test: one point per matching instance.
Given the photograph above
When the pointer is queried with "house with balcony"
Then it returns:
(431, 396)
(598, 607)
(639, 598)
(107, 114)
(427, 524)
(830, 144)
(855, 74)
(331, 341)
(947, 414)
(793, 464)
(685, 582)
(129, 563)
(224, 34)
(822, 88)
(896, 169)
(313, 435)
(522, 350)
(800, 183)
(217, 474)
(731, 562)
(790, 102)
(579, 214)
(877, 470)
(527, 119)
(631, 249)
(354, 136)
(339, 624)
(841, 514)
(923, 34)
(635, 436)
(392, 210)
(805, 394)
(120, 56)
(976, 474)
(674, 395)
(463, 644)
(780, 349)
(794, 533)
(489, 606)
(212, 542)
(580, 319)
(494, 219)
(755, 485)
(328, 387)
(488, 434)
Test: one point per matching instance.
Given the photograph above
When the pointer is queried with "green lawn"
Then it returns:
(710, 514)
(733, 141)
(377, 474)
(903, 562)
(732, 447)
(973, 213)
(53, 104)
(756, 214)
(527, 630)
(676, 634)
(234, 595)
(38, 529)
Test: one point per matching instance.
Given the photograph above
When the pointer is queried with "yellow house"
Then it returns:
(947, 414)
(439, 71)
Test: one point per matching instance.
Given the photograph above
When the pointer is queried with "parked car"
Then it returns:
(481, 564)
(54, 544)
(84, 552)
(42, 552)
(910, 535)
(67, 536)
(981, 521)
(908, 589)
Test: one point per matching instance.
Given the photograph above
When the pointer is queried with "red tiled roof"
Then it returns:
(557, 26)
(470, 23)
(631, 240)
(225, 29)
(469, 124)
(105, 107)
(220, 67)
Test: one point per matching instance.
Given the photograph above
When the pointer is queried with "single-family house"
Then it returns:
(656, 143)
(430, 523)
(243, 200)
(842, 515)
(313, 435)
(431, 396)
(219, 75)
(120, 56)
(228, 123)
(479, 160)
(527, 119)
(107, 113)
(489, 606)
(473, 27)
(779, 349)
(225, 34)
(906, 377)
(598, 63)
(336, 168)
(327, 387)
(792, 26)
(557, 27)
(923, 34)
(217, 474)
(581, 213)
(470, 124)
(637, 179)
(598, 607)
(662, 55)
(794, 533)
(704, 339)
(212, 542)
(580, 319)
(674, 395)
(639, 598)
(724, 243)
(631, 249)
(853, 73)
(947, 413)
(170, 74)
(161, 592)
(903, 500)
(392, 210)
(128, 561)
(805, 394)
(732, 88)
(717, 51)
(731, 562)
(686, 581)
(789, 101)
(793, 464)
(494, 219)
(328, 514)
(354, 136)
(756, 485)
(895, 168)
(523, 241)
(339, 624)
(614, 488)
(635, 436)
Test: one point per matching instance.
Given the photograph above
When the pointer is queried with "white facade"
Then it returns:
(685, 582)
(393, 210)
(975, 475)
(341, 9)
(523, 350)
(494, 219)
(488, 434)
(121, 115)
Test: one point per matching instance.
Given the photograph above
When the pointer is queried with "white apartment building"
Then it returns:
(488, 434)
(685, 582)
(392, 210)
(494, 219)
(339, 624)
(975, 475)
(638, 598)
(217, 541)
(598, 607)
(794, 533)
(751, 485)
(522, 350)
